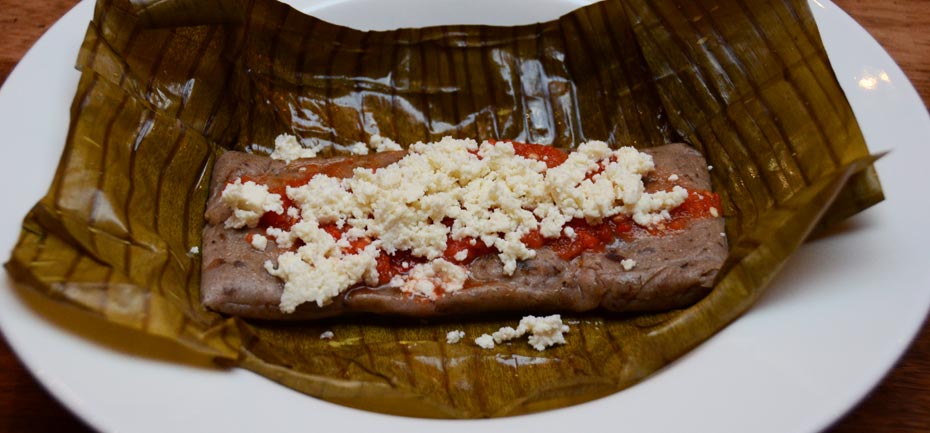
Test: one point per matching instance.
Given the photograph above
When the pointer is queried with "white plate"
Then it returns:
(827, 330)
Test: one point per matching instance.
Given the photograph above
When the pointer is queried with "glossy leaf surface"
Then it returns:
(168, 85)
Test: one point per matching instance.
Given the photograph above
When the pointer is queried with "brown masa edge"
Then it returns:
(673, 270)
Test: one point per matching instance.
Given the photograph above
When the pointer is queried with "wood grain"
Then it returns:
(24, 405)
(901, 403)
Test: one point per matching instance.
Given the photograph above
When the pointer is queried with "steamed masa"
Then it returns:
(503, 226)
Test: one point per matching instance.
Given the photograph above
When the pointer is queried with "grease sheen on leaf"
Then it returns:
(168, 85)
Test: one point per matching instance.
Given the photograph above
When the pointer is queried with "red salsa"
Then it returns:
(584, 236)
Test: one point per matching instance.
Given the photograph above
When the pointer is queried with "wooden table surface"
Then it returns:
(901, 403)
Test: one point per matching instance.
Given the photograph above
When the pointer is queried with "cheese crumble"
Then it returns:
(249, 201)
(319, 270)
(431, 279)
(383, 144)
(488, 192)
(453, 337)
(628, 264)
(288, 149)
(259, 242)
(485, 341)
(543, 332)
(569, 232)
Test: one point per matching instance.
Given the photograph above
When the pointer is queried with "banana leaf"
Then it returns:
(168, 85)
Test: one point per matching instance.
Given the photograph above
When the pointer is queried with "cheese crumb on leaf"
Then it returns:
(485, 341)
(357, 148)
(543, 332)
(383, 144)
(288, 149)
(453, 337)
(507, 333)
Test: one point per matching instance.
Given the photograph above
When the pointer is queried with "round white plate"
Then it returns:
(827, 330)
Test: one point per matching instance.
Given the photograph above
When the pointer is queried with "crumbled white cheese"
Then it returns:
(249, 201)
(653, 208)
(461, 255)
(507, 333)
(714, 213)
(710, 167)
(569, 232)
(485, 341)
(544, 332)
(426, 278)
(194, 250)
(319, 271)
(383, 144)
(322, 199)
(607, 193)
(490, 194)
(628, 264)
(259, 242)
(285, 239)
(673, 178)
(327, 335)
(357, 148)
(287, 149)
(454, 337)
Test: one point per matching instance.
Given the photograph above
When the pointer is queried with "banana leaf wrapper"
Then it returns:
(168, 85)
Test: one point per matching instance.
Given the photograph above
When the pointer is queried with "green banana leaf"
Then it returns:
(168, 85)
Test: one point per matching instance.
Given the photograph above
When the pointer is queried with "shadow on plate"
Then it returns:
(74, 321)
(845, 227)
(811, 264)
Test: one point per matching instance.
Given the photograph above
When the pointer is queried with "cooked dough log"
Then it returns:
(672, 270)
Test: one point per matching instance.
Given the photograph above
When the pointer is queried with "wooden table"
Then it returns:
(900, 404)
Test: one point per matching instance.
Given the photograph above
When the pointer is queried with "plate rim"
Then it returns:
(72, 402)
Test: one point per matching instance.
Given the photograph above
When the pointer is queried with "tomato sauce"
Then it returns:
(388, 265)
(585, 236)
(552, 156)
